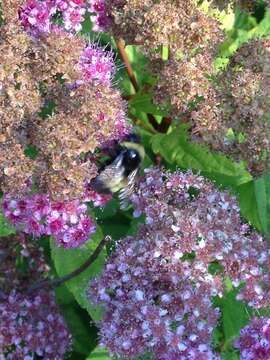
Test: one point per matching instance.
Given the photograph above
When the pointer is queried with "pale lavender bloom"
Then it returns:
(254, 340)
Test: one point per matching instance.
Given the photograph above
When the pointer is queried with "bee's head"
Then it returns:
(131, 160)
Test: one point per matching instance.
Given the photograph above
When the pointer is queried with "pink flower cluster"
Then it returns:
(254, 340)
(32, 326)
(97, 65)
(68, 222)
(96, 198)
(158, 285)
(36, 15)
(100, 18)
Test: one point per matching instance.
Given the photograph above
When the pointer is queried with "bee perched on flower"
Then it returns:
(122, 171)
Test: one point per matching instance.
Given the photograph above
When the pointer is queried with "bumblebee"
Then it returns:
(121, 173)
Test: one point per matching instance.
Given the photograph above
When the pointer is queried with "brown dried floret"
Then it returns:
(58, 53)
(15, 167)
(64, 178)
(84, 119)
(183, 82)
(19, 93)
(10, 9)
(175, 23)
(235, 117)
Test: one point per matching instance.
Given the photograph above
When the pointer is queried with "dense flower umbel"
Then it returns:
(32, 326)
(37, 15)
(97, 65)
(234, 117)
(183, 82)
(179, 24)
(157, 286)
(254, 340)
(208, 224)
(68, 222)
(151, 303)
(29, 81)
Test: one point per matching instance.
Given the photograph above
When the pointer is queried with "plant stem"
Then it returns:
(121, 47)
(59, 281)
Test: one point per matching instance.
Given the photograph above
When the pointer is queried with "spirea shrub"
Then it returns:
(254, 340)
(157, 286)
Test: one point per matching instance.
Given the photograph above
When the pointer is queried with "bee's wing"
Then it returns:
(127, 191)
(111, 178)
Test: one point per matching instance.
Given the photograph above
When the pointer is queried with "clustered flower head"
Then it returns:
(36, 215)
(36, 16)
(30, 322)
(100, 18)
(254, 340)
(184, 82)
(32, 326)
(14, 251)
(157, 286)
(177, 24)
(58, 69)
(234, 118)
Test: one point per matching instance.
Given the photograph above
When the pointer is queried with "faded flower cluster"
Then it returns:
(234, 117)
(58, 70)
(254, 340)
(157, 286)
(177, 24)
(30, 324)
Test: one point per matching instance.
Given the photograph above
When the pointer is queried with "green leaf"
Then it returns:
(68, 260)
(177, 150)
(143, 102)
(84, 334)
(254, 199)
(99, 354)
(6, 228)
(231, 324)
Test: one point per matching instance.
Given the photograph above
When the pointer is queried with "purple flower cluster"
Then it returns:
(100, 18)
(158, 285)
(68, 222)
(32, 326)
(97, 65)
(36, 15)
(254, 340)
(198, 218)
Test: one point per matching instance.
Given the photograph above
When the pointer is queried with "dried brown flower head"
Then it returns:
(175, 23)
(235, 116)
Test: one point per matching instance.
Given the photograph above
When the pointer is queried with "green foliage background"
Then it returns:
(176, 151)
